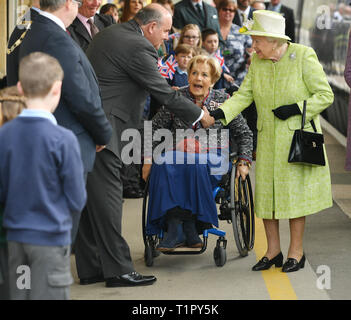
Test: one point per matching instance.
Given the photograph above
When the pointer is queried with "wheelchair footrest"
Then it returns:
(214, 231)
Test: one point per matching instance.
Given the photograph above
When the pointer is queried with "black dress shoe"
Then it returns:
(129, 280)
(85, 281)
(292, 265)
(265, 263)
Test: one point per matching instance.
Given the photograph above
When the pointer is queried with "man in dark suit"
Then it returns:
(16, 38)
(244, 12)
(196, 12)
(80, 107)
(88, 23)
(124, 57)
(288, 14)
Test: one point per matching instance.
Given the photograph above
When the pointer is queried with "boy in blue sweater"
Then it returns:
(183, 54)
(41, 185)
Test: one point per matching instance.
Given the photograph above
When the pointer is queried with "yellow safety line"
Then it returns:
(277, 282)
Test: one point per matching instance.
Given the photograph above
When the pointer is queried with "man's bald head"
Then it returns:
(152, 12)
(156, 22)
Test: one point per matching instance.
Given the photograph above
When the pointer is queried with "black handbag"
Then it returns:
(307, 147)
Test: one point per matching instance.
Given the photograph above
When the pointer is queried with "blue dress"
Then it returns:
(189, 185)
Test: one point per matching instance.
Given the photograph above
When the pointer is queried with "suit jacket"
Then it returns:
(126, 65)
(237, 18)
(288, 14)
(12, 60)
(81, 35)
(80, 107)
(184, 13)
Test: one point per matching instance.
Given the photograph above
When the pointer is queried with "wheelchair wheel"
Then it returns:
(148, 256)
(144, 216)
(150, 241)
(239, 218)
(247, 207)
(220, 256)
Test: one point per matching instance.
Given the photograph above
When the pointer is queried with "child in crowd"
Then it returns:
(210, 42)
(111, 10)
(11, 104)
(191, 35)
(183, 54)
(41, 185)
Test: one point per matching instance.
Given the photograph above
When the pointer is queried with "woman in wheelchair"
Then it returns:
(182, 183)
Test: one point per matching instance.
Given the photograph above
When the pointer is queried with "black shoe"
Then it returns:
(265, 263)
(91, 280)
(129, 280)
(133, 194)
(292, 265)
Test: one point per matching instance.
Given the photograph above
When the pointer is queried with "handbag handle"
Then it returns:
(303, 115)
(303, 119)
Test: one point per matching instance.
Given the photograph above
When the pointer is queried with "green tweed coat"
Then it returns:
(285, 190)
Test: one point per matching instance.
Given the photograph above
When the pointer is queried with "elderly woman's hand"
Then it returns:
(242, 170)
(207, 120)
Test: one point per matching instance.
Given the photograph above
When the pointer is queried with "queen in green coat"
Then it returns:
(281, 76)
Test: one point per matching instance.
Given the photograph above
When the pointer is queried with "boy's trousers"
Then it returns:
(39, 272)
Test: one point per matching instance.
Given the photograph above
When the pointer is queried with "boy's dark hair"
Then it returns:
(207, 32)
(106, 7)
(184, 48)
(37, 73)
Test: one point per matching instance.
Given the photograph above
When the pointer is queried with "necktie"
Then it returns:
(243, 18)
(93, 28)
(199, 10)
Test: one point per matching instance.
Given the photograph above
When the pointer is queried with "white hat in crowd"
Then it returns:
(265, 23)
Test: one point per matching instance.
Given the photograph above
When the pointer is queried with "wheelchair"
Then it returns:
(234, 198)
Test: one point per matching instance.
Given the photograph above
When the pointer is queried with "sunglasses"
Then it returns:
(228, 10)
(79, 2)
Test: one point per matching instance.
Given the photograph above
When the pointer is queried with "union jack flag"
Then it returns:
(167, 68)
(220, 59)
(172, 36)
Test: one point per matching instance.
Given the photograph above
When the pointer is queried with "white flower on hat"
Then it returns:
(247, 25)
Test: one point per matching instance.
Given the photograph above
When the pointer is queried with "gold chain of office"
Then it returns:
(27, 24)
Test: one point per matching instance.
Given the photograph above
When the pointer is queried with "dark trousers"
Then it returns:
(76, 219)
(130, 175)
(100, 248)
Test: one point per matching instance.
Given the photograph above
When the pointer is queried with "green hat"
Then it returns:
(265, 23)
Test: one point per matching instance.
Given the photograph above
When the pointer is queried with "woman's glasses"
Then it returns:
(228, 10)
(191, 37)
